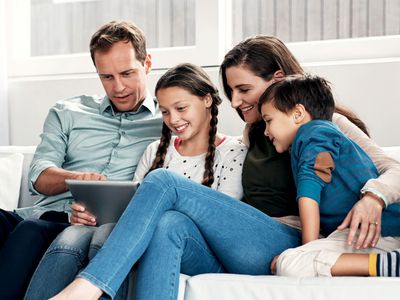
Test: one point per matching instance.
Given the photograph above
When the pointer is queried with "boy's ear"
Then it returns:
(208, 100)
(299, 113)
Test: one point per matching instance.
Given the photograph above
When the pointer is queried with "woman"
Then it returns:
(227, 227)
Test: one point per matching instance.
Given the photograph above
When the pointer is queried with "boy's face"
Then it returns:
(281, 128)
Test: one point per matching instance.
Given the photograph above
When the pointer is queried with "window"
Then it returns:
(51, 37)
(65, 26)
(323, 30)
(315, 20)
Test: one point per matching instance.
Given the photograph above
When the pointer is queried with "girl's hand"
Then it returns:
(80, 216)
(366, 214)
(273, 264)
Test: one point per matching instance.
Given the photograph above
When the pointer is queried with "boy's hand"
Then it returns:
(80, 216)
(273, 264)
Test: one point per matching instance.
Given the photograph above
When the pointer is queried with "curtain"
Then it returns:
(4, 128)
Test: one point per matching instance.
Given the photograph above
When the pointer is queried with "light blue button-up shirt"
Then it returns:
(86, 134)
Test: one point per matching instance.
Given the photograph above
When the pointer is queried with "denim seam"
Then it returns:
(109, 291)
(174, 274)
(67, 250)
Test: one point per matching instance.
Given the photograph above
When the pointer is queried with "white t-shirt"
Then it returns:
(228, 164)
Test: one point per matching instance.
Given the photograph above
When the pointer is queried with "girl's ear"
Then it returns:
(299, 114)
(208, 100)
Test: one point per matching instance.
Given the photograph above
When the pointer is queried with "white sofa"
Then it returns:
(235, 287)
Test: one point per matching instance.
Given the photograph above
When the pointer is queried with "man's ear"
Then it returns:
(278, 75)
(147, 63)
(299, 113)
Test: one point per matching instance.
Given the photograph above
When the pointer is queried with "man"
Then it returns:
(87, 138)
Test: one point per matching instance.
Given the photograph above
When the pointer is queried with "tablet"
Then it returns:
(104, 199)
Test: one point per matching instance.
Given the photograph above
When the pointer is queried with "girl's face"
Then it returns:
(281, 128)
(186, 115)
(246, 91)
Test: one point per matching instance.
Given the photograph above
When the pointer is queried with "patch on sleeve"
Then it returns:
(324, 166)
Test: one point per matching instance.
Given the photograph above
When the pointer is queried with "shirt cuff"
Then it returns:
(376, 193)
(34, 173)
(310, 189)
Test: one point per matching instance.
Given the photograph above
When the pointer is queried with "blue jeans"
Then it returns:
(237, 238)
(66, 256)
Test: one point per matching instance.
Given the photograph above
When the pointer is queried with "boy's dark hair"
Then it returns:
(117, 31)
(194, 80)
(313, 92)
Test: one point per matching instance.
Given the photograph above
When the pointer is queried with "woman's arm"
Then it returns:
(376, 193)
(386, 186)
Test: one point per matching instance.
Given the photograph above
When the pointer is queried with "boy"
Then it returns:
(329, 169)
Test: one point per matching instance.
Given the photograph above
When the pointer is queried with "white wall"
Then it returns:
(370, 88)
(4, 131)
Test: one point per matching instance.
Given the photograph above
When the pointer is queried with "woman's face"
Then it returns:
(246, 91)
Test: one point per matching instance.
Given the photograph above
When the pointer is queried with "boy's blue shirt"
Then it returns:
(331, 169)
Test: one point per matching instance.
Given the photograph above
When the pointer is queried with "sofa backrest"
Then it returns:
(25, 197)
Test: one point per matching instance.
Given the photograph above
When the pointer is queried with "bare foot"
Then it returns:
(79, 289)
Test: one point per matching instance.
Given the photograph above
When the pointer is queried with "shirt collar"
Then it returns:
(149, 103)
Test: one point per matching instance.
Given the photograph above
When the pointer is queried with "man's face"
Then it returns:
(122, 75)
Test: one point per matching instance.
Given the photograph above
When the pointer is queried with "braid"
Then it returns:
(208, 177)
(162, 149)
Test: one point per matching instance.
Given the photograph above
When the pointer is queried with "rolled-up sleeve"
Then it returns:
(52, 148)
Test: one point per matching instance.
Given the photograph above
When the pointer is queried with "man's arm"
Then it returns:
(52, 180)
(309, 218)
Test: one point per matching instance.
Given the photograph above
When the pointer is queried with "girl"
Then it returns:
(227, 227)
(188, 102)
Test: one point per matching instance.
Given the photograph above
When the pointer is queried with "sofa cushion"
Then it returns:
(25, 199)
(238, 287)
(10, 180)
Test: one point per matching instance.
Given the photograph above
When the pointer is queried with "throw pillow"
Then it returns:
(10, 180)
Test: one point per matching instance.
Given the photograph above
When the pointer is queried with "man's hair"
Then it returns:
(313, 92)
(117, 31)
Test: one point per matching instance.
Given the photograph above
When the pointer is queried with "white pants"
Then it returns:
(316, 258)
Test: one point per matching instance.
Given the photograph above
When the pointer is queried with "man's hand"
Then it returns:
(366, 214)
(88, 176)
(52, 180)
(80, 216)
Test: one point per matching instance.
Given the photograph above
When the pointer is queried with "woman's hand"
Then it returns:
(80, 216)
(366, 214)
